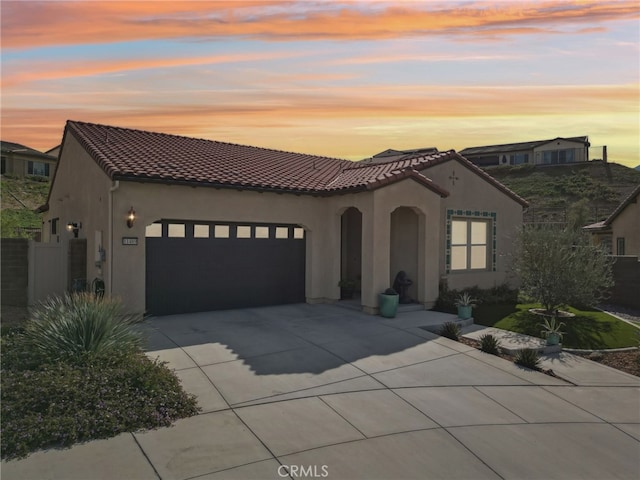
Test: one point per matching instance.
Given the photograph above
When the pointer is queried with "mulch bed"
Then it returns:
(628, 362)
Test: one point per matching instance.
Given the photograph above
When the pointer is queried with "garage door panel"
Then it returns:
(198, 274)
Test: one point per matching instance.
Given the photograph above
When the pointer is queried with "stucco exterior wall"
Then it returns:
(153, 202)
(627, 225)
(80, 193)
(468, 191)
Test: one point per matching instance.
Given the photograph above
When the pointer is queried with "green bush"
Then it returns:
(79, 326)
(489, 344)
(59, 404)
(528, 357)
(451, 330)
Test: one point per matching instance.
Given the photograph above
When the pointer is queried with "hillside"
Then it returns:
(551, 189)
(20, 197)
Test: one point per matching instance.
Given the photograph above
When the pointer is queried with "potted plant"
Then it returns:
(347, 287)
(465, 304)
(551, 330)
(388, 301)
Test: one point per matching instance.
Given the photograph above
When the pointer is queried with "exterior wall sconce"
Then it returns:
(131, 217)
(74, 227)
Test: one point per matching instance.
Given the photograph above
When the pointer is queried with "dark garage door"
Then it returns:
(195, 267)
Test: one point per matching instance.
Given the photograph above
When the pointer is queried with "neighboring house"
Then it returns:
(54, 152)
(176, 224)
(22, 161)
(392, 155)
(557, 151)
(620, 232)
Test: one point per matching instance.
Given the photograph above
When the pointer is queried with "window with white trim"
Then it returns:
(469, 244)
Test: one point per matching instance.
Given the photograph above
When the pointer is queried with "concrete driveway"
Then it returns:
(319, 391)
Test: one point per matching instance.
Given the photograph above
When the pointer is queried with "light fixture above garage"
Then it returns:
(131, 217)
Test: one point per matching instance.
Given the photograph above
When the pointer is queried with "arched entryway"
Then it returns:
(404, 254)
(351, 248)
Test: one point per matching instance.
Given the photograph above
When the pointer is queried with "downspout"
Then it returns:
(115, 186)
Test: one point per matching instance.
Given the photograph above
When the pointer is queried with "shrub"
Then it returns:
(489, 344)
(528, 357)
(500, 294)
(56, 405)
(77, 326)
(451, 330)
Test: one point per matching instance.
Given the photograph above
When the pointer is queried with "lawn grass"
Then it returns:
(589, 329)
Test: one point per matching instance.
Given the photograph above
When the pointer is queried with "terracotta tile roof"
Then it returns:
(421, 163)
(127, 154)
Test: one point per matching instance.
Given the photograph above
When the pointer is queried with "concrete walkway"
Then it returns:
(325, 392)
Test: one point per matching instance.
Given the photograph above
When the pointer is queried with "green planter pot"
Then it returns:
(388, 305)
(464, 312)
(553, 339)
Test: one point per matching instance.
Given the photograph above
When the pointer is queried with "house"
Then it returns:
(556, 151)
(22, 161)
(619, 233)
(391, 154)
(175, 224)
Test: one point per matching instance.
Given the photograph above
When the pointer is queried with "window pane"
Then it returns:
(282, 232)
(243, 232)
(298, 233)
(201, 231)
(221, 231)
(458, 258)
(176, 230)
(479, 257)
(153, 230)
(478, 233)
(262, 232)
(459, 232)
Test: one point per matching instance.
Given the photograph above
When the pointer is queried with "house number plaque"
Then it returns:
(130, 240)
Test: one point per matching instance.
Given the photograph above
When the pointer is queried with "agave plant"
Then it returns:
(489, 344)
(451, 330)
(551, 326)
(466, 300)
(528, 357)
(75, 325)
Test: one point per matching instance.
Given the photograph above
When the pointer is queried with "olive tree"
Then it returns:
(559, 266)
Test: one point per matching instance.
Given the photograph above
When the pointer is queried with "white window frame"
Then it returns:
(469, 245)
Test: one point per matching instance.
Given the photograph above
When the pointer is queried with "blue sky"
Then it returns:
(344, 79)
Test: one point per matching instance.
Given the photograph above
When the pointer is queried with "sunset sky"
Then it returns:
(335, 78)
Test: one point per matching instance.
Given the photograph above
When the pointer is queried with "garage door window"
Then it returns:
(243, 232)
(262, 232)
(298, 233)
(221, 231)
(201, 231)
(282, 232)
(176, 230)
(154, 230)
